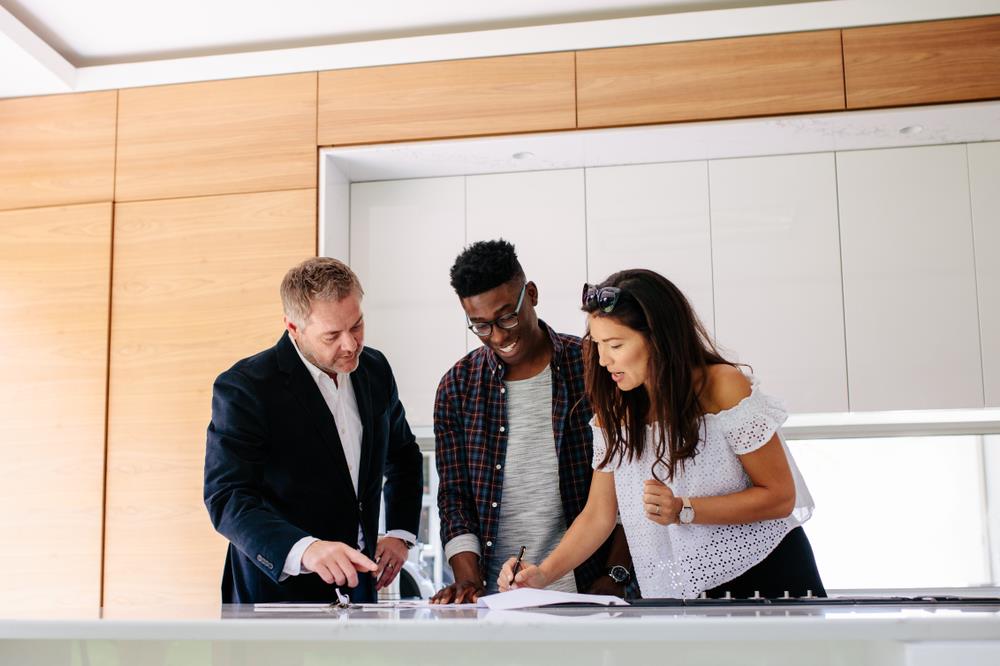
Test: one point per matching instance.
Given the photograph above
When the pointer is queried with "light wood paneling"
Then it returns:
(445, 99)
(195, 289)
(54, 274)
(57, 150)
(220, 137)
(722, 78)
(922, 63)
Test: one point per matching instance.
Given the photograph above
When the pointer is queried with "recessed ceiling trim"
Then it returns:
(33, 49)
(675, 27)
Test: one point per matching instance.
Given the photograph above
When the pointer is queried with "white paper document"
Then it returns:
(529, 598)
(513, 600)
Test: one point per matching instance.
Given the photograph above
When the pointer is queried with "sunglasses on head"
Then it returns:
(600, 298)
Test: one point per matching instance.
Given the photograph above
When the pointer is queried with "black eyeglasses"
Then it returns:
(600, 298)
(508, 321)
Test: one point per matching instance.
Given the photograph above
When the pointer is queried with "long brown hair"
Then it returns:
(680, 351)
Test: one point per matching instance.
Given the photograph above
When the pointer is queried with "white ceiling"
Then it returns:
(101, 32)
(52, 46)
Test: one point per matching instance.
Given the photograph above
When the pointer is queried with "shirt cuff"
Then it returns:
(463, 543)
(408, 537)
(293, 563)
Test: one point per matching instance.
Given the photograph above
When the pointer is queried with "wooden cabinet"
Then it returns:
(57, 150)
(984, 174)
(653, 216)
(526, 93)
(722, 78)
(542, 213)
(776, 266)
(405, 236)
(922, 63)
(195, 289)
(909, 279)
(219, 137)
(55, 273)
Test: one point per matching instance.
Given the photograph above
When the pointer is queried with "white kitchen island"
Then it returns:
(230, 635)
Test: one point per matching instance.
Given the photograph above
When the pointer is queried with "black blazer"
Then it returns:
(275, 471)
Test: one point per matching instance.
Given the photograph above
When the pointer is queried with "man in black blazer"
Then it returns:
(301, 437)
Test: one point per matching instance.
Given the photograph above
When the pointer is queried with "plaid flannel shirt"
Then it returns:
(470, 415)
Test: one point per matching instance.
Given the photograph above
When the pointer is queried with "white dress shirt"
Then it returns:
(340, 399)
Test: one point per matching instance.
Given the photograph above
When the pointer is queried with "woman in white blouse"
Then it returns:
(687, 453)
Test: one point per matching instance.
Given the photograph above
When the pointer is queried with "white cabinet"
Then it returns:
(984, 175)
(653, 216)
(909, 279)
(776, 267)
(405, 236)
(542, 214)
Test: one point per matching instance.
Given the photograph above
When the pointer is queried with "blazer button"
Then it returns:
(502, 429)
(489, 544)
(495, 505)
(360, 507)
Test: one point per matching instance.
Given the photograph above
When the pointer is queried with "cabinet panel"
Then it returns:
(219, 137)
(776, 263)
(57, 150)
(526, 93)
(195, 289)
(720, 78)
(922, 63)
(542, 214)
(653, 216)
(909, 282)
(405, 236)
(984, 174)
(55, 267)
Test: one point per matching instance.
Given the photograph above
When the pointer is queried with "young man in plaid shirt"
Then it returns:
(512, 436)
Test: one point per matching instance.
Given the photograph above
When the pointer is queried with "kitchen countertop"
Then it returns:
(775, 633)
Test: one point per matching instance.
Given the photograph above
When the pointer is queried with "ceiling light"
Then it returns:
(911, 129)
(525, 155)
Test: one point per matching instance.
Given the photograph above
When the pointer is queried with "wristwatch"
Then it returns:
(620, 574)
(686, 516)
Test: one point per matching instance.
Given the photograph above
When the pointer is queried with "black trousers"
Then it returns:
(791, 567)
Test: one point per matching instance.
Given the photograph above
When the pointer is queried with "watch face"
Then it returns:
(686, 515)
(619, 574)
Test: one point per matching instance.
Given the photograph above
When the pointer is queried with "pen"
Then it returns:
(517, 564)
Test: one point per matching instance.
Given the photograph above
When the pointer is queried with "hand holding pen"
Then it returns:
(528, 575)
(517, 562)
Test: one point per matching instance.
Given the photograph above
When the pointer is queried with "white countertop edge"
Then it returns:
(545, 629)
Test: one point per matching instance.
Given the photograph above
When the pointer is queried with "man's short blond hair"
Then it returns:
(320, 278)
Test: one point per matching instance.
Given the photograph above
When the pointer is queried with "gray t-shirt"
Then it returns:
(531, 511)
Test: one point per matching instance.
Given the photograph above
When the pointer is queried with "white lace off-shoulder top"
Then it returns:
(681, 561)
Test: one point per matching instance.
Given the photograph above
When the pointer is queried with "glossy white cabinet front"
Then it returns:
(776, 262)
(653, 216)
(542, 214)
(909, 279)
(404, 237)
(984, 176)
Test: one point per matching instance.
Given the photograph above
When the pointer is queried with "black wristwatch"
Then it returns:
(620, 574)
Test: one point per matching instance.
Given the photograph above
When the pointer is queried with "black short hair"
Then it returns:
(483, 266)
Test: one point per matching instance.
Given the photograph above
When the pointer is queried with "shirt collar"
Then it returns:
(316, 373)
(496, 365)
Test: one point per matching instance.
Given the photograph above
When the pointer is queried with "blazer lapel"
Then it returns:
(301, 384)
(362, 393)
